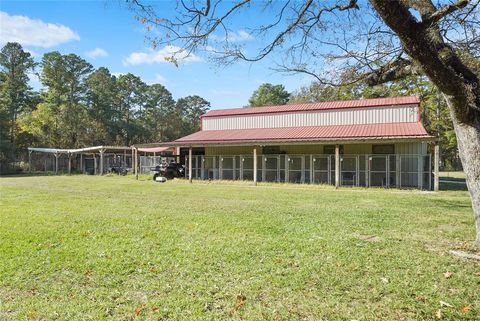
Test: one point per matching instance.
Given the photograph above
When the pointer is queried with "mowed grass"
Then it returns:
(113, 248)
(453, 174)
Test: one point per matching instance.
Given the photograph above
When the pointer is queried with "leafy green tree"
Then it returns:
(159, 106)
(268, 94)
(15, 64)
(101, 107)
(65, 76)
(191, 108)
(130, 103)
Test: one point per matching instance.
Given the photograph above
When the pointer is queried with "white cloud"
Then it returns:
(96, 53)
(241, 35)
(233, 36)
(160, 79)
(33, 32)
(162, 55)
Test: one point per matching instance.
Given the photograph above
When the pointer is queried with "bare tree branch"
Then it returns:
(444, 11)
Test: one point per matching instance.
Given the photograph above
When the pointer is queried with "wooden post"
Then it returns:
(29, 161)
(94, 164)
(337, 166)
(133, 157)
(136, 163)
(367, 170)
(81, 163)
(102, 151)
(190, 164)
(398, 167)
(255, 166)
(124, 158)
(69, 163)
(56, 163)
(420, 171)
(436, 162)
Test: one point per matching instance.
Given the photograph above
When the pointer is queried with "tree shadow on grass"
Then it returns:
(444, 186)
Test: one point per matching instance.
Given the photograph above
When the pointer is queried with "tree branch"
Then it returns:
(444, 11)
(398, 69)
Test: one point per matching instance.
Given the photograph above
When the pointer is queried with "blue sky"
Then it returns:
(106, 34)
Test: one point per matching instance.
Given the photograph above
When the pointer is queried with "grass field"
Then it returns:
(452, 175)
(112, 248)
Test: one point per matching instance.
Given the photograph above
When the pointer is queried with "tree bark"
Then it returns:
(468, 139)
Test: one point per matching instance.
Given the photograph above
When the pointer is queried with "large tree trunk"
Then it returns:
(468, 138)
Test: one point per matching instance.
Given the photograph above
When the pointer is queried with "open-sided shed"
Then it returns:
(91, 160)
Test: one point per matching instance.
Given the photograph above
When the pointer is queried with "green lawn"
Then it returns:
(452, 175)
(112, 248)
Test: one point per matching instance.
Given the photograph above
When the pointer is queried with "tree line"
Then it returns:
(81, 106)
(435, 113)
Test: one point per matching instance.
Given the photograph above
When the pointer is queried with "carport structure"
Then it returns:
(92, 160)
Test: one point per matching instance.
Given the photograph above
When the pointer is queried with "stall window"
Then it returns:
(271, 150)
(383, 149)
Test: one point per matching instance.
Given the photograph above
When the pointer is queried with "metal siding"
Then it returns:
(315, 118)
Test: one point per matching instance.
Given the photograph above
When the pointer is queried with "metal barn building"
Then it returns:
(371, 142)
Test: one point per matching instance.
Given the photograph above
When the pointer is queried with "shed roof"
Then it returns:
(153, 149)
(76, 150)
(341, 104)
(306, 134)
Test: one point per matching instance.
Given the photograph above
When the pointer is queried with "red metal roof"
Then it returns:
(307, 133)
(341, 104)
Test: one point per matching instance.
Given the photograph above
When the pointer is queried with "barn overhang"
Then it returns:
(337, 134)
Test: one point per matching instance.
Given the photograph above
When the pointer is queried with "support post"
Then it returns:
(94, 164)
(124, 158)
(136, 163)
(420, 171)
(81, 163)
(29, 161)
(337, 166)
(69, 163)
(255, 166)
(436, 170)
(398, 167)
(56, 163)
(133, 157)
(367, 170)
(102, 151)
(190, 164)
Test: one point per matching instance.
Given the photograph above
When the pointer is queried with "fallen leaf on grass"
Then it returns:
(466, 308)
(139, 310)
(241, 299)
(476, 273)
(384, 280)
(439, 314)
(421, 298)
(447, 275)
(445, 304)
